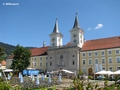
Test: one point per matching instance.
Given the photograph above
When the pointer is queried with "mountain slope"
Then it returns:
(8, 49)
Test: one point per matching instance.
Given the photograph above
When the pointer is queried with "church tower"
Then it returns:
(56, 36)
(77, 34)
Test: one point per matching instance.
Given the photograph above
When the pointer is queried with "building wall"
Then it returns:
(8, 63)
(34, 62)
(38, 62)
(65, 58)
(106, 65)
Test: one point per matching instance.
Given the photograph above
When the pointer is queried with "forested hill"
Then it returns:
(8, 49)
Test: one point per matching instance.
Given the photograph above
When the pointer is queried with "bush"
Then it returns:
(4, 86)
(1, 79)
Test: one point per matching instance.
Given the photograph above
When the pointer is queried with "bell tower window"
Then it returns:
(53, 44)
(75, 41)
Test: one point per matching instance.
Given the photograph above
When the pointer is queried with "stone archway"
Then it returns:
(90, 71)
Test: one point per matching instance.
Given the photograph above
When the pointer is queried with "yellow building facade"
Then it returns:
(38, 62)
(107, 58)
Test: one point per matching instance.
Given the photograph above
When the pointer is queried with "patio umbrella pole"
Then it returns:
(3, 73)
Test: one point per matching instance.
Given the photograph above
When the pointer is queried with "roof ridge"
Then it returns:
(103, 38)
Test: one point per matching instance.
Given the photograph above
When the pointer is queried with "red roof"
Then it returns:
(68, 43)
(35, 52)
(39, 51)
(10, 56)
(104, 43)
(3, 63)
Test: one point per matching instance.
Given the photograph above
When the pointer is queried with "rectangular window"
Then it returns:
(110, 68)
(90, 61)
(118, 59)
(96, 61)
(83, 54)
(117, 51)
(118, 68)
(83, 62)
(103, 68)
(110, 59)
(103, 61)
(96, 53)
(102, 53)
(40, 64)
(50, 63)
(35, 59)
(40, 58)
(109, 52)
(84, 71)
(89, 54)
(46, 58)
(46, 63)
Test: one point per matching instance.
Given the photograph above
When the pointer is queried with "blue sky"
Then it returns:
(30, 22)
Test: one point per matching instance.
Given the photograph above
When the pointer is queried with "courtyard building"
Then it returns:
(38, 59)
(101, 53)
(89, 56)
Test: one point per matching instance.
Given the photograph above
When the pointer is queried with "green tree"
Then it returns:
(21, 59)
(1, 53)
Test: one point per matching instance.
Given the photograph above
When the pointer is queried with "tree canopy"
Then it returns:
(21, 59)
(1, 53)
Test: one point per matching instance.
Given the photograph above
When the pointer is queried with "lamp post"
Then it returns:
(3, 73)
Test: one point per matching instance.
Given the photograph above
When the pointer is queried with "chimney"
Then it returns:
(84, 40)
(44, 44)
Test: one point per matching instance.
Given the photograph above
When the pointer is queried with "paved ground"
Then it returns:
(65, 83)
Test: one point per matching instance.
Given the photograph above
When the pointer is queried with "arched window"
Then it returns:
(75, 41)
(61, 57)
(73, 62)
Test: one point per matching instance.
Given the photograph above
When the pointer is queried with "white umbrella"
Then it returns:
(110, 72)
(67, 71)
(7, 70)
(116, 72)
(102, 72)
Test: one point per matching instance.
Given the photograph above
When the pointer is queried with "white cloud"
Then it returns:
(89, 29)
(99, 26)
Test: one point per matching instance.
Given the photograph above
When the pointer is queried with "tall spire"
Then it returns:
(56, 27)
(76, 23)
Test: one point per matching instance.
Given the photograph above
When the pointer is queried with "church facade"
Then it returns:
(65, 56)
